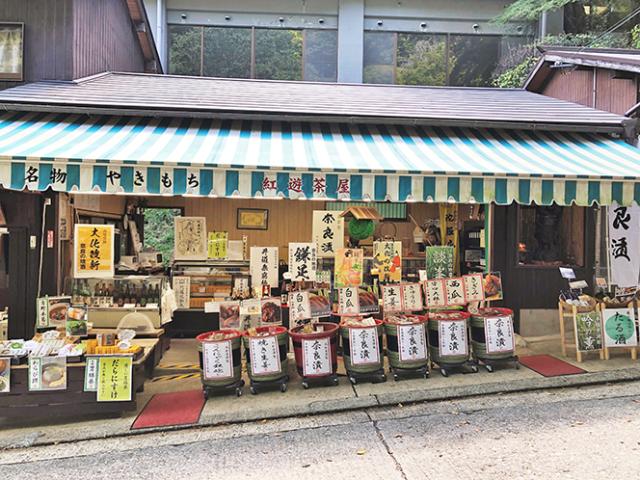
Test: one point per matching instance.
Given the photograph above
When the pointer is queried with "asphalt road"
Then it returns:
(588, 433)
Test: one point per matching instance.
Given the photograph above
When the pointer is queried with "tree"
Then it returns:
(421, 61)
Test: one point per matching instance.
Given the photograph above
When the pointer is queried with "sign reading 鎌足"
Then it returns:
(624, 245)
(93, 251)
(302, 261)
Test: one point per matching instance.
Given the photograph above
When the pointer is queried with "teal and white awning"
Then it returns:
(224, 158)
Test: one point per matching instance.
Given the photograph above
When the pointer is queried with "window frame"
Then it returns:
(15, 77)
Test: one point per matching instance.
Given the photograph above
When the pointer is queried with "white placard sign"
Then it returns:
(452, 337)
(412, 297)
(91, 374)
(392, 300)
(299, 306)
(302, 261)
(265, 355)
(624, 245)
(348, 301)
(619, 327)
(363, 343)
(316, 357)
(454, 288)
(217, 360)
(473, 287)
(412, 342)
(263, 266)
(436, 297)
(498, 334)
(328, 232)
(182, 289)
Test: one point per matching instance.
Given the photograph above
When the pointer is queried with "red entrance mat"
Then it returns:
(169, 409)
(549, 366)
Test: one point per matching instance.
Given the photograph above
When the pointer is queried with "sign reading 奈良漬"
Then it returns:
(93, 251)
(624, 245)
(328, 232)
(316, 357)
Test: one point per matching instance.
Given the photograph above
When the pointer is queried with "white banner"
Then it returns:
(328, 232)
(265, 355)
(316, 356)
(263, 266)
(498, 334)
(452, 335)
(412, 342)
(217, 360)
(624, 245)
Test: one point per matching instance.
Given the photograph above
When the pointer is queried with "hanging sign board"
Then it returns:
(498, 334)
(619, 327)
(328, 232)
(93, 251)
(115, 379)
(624, 245)
(263, 267)
(348, 302)
(363, 343)
(302, 261)
(387, 258)
(452, 336)
(217, 360)
(412, 342)
(182, 289)
(190, 238)
(454, 288)
(265, 355)
(316, 357)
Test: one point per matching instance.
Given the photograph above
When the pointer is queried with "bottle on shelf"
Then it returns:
(143, 296)
(86, 293)
(120, 295)
(108, 295)
(127, 295)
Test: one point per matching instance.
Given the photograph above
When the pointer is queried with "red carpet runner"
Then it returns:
(169, 409)
(549, 366)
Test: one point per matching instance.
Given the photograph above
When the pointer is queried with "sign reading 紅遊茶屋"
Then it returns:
(624, 245)
(93, 251)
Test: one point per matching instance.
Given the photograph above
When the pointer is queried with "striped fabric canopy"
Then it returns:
(179, 156)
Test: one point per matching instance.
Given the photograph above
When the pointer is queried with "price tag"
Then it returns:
(316, 355)
(217, 360)
(412, 342)
(363, 343)
(265, 355)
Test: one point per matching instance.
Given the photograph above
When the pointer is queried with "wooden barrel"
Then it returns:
(393, 343)
(329, 331)
(478, 334)
(433, 325)
(369, 367)
(281, 334)
(236, 357)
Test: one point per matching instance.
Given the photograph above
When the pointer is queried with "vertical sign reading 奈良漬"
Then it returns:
(302, 261)
(498, 333)
(316, 357)
(412, 342)
(93, 251)
(363, 344)
(624, 245)
(328, 232)
(452, 336)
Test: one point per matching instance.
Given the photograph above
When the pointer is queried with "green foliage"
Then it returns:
(158, 230)
(279, 54)
(516, 76)
(421, 61)
(635, 36)
(361, 229)
(529, 9)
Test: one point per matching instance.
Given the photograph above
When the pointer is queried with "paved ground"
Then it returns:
(581, 433)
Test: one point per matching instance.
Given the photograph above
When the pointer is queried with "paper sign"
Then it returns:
(52, 311)
(454, 290)
(316, 357)
(440, 262)
(91, 374)
(619, 327)
(363, 343)
(624, 245)
(328, 232)
(217, 360)
(348, 267)
(493, 286)
(452, 337)
(299, 306)
(217, 245)
(230, 315)
(115, 379)
(348, 302)
(47, 373)
(589, 331)
(265, 355)
(498, 334)
(271, 311)
(412, 342)
(435, 293)
(190, 238)
(473, 288)
(211, 307)
(182, 289)
(250, 307)
(392, 300)
(412, 297)
(302, 261)
(387, 258)
(263, 267)
(5, 374)
(93, 249)
(567, 273)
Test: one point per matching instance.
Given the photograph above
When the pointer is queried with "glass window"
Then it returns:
(321, 55)
(158, 231)
(278, 54)
(473, 59)
(185, 53)
(227, 52)
(422, 59)
(550, 236)
(379, 57)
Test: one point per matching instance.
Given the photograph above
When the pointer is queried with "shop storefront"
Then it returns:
(251, 213)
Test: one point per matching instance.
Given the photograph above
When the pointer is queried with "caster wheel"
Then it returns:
(305, 385)
(426, 375)
(253, 390)
(381, 379)
(517, 365)
(444, 373)
(238, 392)
(489, 368)
(474, 368)
(395, 377)
(353, 380)
(283, 387)
(335, 381)
(205, 394)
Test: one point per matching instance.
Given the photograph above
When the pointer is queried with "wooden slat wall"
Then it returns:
(616, 95)
(573, 85)
(48, 37)
(104, 39)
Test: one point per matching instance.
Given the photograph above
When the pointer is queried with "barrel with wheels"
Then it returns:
(496, 326)
(362, 351)
(407, 346)
(220, 358)
(266, 354)
(450, 353)
(316, 353)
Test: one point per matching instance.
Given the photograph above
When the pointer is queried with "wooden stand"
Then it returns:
(563, 313)
(633, 350)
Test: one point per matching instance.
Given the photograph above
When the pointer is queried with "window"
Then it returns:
(379, 57)
(158, 231)
(11, 51)
(550, 236)
(238, 52)
(422, 59)
(473, 59)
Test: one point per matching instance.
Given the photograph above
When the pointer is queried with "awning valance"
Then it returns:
(225, 158)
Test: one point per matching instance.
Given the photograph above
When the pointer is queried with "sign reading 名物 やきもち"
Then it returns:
(387, 258)
(498, 334)
(316, 357)
(328, 232)
(440, 262)
(302, 261)
(588, 329)
(93, 251)
(363, 344)
(412, 342)
(624, 245)
(263, 267)
(348, 267)
(115, 378)
(217, 360)
(619, 327)
(190, 238)
(452, 337)
(217, 245)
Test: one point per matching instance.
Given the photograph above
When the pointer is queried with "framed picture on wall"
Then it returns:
(11, 51)
(253, 219)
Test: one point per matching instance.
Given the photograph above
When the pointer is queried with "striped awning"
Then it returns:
(180, 156)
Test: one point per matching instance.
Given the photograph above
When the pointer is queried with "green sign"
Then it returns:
(440, 262)
(619, 328)
(588, 332)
